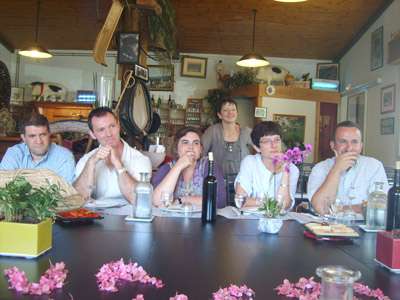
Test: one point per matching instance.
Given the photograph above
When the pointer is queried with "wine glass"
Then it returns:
(260, 199)
(350, 214)
(89, 202)
(240, 202)
(336, 206)
(186, 206)
(326, 212)
(166, 199)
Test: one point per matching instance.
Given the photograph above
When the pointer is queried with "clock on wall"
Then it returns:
(5, 86)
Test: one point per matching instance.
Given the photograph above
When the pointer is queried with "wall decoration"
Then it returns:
(260, 112)
(387, 126)
(161, 78)
(128, 47)
(17, 96)
(293, 129)
(194, 66)
(377, 49)
(141, 72)
(328, 71)
(388, 99)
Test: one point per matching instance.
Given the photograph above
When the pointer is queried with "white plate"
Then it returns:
(364, 227)
(103, 204)
(359, 217)
(252, 210)
(383, 265)
(177, 208)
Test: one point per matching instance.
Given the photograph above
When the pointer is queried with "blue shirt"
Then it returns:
(57, 159)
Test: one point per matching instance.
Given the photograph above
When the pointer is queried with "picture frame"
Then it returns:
(17, 96)
(161, 78)
(293, 129)
(377, 49)
(388, 99)
(194, 66)
(387, 126)
(128, 47)
(328, 71)
(260, 112)
(142, 72)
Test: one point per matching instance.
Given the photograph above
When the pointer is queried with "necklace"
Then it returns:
(233, 133)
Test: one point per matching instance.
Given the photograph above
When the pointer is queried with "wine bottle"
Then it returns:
(393, 202)
(209, 207)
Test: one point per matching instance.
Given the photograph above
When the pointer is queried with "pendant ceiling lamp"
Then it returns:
(290, 1)
(252, 60)
(35, 50)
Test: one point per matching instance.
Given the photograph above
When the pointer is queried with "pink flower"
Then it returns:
(293, 156)
(138, 297)
(179, 297)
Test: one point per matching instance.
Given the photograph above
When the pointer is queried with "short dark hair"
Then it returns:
(223, 102)
(347, 124)
(98, 112)
(265, 128)
(181, 133)
(34, 119)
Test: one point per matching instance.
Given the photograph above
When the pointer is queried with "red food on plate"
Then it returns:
(79, 213)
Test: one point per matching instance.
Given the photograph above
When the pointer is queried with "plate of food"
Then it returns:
(325, 230)
(103, 203)
(178, 209)
(78, 215)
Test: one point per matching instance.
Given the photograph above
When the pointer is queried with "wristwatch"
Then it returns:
(120, 171)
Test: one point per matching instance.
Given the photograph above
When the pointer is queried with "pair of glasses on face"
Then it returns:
(268, 142)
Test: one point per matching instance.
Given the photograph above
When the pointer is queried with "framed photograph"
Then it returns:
(128, 47)
(194, 67)
(387, 126)
(260, 112)
(328, 71)
(161, 78)
(293, 129)
(388, 99)
(141, 72)
(17, 96)
(377, 49)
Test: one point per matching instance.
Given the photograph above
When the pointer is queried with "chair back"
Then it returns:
(230, 189)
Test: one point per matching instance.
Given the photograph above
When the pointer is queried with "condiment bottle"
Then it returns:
(143, 197)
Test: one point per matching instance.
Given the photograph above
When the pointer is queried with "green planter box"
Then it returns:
(26, 240)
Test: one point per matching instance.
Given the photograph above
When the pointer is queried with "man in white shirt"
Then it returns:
(114, 167)
(346, 173)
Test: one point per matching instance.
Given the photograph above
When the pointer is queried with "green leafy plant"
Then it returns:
(238, 79)
(22, 203)
(271, 207)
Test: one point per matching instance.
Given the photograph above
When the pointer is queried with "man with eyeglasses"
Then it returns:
(259, 176)
(346, 174)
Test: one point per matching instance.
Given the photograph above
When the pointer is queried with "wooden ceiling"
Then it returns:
(317, 29)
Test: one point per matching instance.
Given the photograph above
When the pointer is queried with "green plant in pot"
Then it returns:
(272, 209)
(27, 226)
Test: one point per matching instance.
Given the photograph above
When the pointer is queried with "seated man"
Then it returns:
(114, 167)
(348, 173)
(37, 152)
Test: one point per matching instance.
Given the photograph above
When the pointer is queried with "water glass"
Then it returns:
(186, 206)
(240, 202)
(260, 199)
(326, 212)
(336, 206)
(166, 198)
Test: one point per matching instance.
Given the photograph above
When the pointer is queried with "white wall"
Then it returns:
(355, 69)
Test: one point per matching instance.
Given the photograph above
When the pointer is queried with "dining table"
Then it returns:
(195, 258)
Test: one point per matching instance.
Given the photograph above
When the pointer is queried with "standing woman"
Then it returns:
(187, 171)
(227, 140)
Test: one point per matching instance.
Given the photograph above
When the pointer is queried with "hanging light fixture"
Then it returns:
(251, 60)
(35, 50)
(290, 1)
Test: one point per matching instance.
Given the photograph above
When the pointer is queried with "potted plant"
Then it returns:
(27, 226)
(272, 209)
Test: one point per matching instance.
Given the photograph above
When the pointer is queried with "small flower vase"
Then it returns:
(270, 225)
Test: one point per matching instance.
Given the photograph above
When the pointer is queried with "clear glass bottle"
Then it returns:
(337, 282)
(143, 197)
(376, 208)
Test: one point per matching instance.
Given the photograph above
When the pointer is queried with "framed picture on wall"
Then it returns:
(141, 72)
(388, 99)
(328, 71)
(17, 96)
(260, 112)
(377, 49)
(387, 126)
(194, 66)
(161, 78)
(293, 129)
(128, 47)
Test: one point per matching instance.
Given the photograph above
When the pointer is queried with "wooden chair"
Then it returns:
(59, 127)
(230, 189)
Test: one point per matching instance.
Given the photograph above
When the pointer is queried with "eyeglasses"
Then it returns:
(269, 142)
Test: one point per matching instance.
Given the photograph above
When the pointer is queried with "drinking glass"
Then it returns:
(336, 206)
(166, 199)
(240, 202)
(326, 212)
(89, 202)
(350, 214)
(186, 206)
(260, 199)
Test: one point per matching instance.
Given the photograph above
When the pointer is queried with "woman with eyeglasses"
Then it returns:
(187, 171)
(259, 175)
(227, 140)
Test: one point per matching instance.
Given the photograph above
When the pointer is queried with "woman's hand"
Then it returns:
(184, 161)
